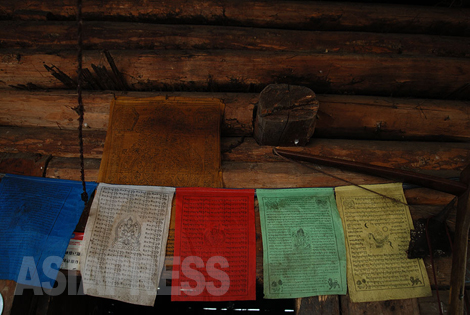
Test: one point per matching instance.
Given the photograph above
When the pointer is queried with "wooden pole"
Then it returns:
(459, 256)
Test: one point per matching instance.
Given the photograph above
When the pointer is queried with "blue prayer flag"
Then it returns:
(37, 217)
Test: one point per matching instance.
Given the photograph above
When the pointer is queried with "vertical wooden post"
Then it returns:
(459, 256)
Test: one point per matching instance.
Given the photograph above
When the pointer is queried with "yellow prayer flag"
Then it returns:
(377, 234)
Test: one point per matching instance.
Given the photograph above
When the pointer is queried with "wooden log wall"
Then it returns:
(393, 82)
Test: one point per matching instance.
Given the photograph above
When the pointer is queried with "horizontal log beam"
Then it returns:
(56, 109)
(281, 175)
(46, 141)
(422, 156)
(69, 168)
(430, 77)
(339, 116)
(428, 156)
(29, 164)
(392, 118)
(114, 35)
(309, 15)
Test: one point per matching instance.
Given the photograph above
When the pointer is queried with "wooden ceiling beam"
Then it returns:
(99, 35)
(311, 15)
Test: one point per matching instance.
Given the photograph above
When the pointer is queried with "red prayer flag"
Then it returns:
(216, 246)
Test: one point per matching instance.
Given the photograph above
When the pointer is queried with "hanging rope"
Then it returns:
(80, 108)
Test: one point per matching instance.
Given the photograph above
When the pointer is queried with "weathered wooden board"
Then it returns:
(446, 158)
(324, 304)
(438, 156)
(56, 109)
(56, 142)
(29, 164)
(339, 116)
(99, 35)
(428, 305)
(68, 168)
(392, 118)
(284, 14)
(409, 306)
(279, 175)
(427, 196)
(246, 71)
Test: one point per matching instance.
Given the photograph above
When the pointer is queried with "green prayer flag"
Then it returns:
(304, 252)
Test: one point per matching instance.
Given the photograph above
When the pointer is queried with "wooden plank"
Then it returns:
(30, 164)
(442, 265)
(460, 249)
(230, 71)
(285, 14)
(68, 168)
(55, 109)
(391, 118)
(409, 306)
(51, 141)
(419, 156)
(365, 117)
(446, 158)
(425, 157)
(117, 35)
(324, 304)
(428, 305)
(427, 196)
(280, 175)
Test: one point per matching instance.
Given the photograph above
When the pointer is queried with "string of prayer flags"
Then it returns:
(215, 243)
(303, 243)
(37, 217)
(377, 233)
(125, 240)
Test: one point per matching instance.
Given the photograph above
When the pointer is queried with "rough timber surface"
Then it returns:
(409, 306)
(311, 15)
(245, 71)
(339, 116)
(99, 35)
